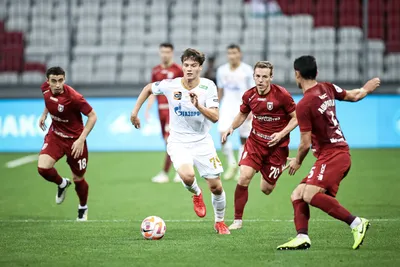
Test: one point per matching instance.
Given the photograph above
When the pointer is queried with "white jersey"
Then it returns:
(235, 82)
(186, 122)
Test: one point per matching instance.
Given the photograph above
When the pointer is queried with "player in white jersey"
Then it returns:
(233, 79)
(193, 107)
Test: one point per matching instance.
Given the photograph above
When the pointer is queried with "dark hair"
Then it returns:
(307, 66)
(167, 45)
(194, 54)
(55, 71)
(264, 65)
(233, 46)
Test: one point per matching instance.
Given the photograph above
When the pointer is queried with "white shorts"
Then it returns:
(201, 154)
(226, 117)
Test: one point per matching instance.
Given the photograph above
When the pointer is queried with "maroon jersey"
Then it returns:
(270, 112)
(65, 110)
(160, 73)
(316, 112)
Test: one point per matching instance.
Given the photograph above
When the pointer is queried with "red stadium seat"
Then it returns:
(12, 57)
(1, 27)
(393, 26)
(34, 66)
(286, 6)
(376, 27)
(350, 13)
(303, 7)
(393, 6)
(393, 47)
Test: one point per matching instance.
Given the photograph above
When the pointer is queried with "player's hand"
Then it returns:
(276, 138)
(226, 134)
(135, 121)
(293, 166)
(77, 148)
(372, 84)
(42, 123)
(194, 99)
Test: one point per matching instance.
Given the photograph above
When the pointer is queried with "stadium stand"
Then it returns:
(115, 41)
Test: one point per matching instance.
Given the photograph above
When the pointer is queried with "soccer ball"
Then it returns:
(153, 228)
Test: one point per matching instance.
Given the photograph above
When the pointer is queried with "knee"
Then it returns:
(187, 177)
(267, 190)
(244, 179)
(296, 195)
(43, 172)
(216, 189)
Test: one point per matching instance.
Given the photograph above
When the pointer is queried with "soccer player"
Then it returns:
(66, 136)
(233, 79)
(266, 149)
(320, 128)
(193, 105)
(166, 70)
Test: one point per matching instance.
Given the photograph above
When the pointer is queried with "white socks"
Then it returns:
(240, 152)
(227, 150)
(194, 188)
(355, 223)
(302, 236)
(63, 183)
(219, 204)
(82, 207)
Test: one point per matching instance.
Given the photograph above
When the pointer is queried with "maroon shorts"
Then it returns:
(268, 161)
(164, 121)
(329, 170)
(56, 147)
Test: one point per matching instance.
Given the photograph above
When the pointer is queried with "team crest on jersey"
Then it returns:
(270, 105)
(60, 108)
(177, 95)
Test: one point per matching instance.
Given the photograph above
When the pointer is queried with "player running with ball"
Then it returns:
(193, 107)
(66, 136)
(320, 128)
(266, 149)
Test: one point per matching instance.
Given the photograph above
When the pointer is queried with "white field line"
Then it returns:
(177, 221)
(22, 161)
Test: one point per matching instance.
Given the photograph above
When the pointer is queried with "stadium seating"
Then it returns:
(115, 41)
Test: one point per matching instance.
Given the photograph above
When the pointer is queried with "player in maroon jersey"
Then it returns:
(166, 70)
(66, 136)
(266, 149)
(319, 127)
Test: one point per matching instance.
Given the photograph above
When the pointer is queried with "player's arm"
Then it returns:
(358, 94)
(150, 102)
(42, 120)
(146, 92)
(92, 118)
(211, 113)
(237, 122)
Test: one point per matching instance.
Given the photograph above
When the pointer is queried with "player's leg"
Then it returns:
(218, 199)
(272, 169)
(183, 163)
(301, 218)
(162, 176)
(244, 132)
(51, 152)
(78, 167)
(225, 121)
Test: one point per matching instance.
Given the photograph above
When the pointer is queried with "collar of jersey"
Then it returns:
(183, 85)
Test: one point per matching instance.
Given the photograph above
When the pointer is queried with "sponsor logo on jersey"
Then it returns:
(203, 87)
(270, 105)
(261, 99)
(60, 108)
(323, 96)
(177, 95)
(178, 111)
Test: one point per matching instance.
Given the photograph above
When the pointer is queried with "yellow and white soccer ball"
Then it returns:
(153, 228)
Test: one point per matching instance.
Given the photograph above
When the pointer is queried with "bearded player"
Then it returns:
(320, 128)
(193, 105)
(233, 79)
(266, 149)
(66, 136)
(166, 70)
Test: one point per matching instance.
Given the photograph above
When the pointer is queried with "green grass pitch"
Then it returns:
(34, 231)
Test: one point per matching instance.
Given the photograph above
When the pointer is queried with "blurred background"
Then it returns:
(108, 48)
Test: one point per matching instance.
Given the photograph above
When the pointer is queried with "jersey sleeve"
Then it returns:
(304, 117)
(245, 107)
(159, 88)
(212, 97)
(288, 103)
(339, 93)
(219, 78)
(84, 107)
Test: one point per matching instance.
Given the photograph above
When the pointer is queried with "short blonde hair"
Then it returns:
(264, 65)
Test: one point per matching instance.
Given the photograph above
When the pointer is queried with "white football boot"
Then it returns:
(177, 178)
(230, 172)
(160, 178)
(237, 224)
(82, 215)
(61, 192)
